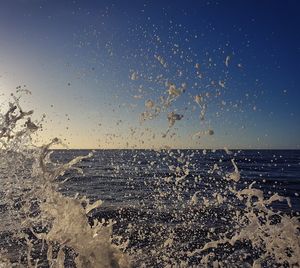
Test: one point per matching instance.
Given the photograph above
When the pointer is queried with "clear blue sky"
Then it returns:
(77, 58)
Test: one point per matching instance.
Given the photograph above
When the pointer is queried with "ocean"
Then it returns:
(167, 208)
(122, 178)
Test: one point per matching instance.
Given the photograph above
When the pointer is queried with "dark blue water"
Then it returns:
(149, 194)
(126, 177)
(141, 189)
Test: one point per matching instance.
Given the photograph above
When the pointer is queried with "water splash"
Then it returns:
(39, 215)
(188, 220)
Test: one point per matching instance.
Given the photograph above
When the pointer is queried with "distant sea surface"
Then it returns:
(121, 178)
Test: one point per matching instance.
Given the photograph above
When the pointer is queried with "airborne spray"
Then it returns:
(187, 218)
(159, 207)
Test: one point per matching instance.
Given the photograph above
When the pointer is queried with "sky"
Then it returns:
(96, 69)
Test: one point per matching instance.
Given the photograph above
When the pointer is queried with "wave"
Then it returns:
(186, 220)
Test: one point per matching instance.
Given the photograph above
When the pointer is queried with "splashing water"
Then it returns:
(187, 215)
(187, 219)
(37, 214)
